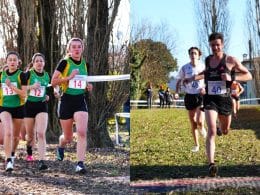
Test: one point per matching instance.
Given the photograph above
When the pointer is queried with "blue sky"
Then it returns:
(180, 16)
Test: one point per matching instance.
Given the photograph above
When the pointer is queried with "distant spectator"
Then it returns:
(236, 91)
(168, 97)
(126, 108)
(149, 94)
(161, 96)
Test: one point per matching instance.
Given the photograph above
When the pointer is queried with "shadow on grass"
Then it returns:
(248, 118)
(177, 172)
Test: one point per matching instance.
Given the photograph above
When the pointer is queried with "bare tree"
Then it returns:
(27, 37)
(151, 49)
(212, 16)
(99, 28)
(46, 26)
(161, 32)
(9, 24)
(253, 23)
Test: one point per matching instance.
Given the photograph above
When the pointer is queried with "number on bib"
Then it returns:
(217, 87)
(7, 91)
(39, 92)
(195, 84)
(78, 82)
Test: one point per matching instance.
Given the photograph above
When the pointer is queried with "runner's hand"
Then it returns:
(89, 87)
(202, 91)
(35, 86)
(73, 73)
(8, 83)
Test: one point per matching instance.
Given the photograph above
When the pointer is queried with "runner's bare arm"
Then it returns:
(242, 73)
(194, 78)
(57, 79)
(178, 85)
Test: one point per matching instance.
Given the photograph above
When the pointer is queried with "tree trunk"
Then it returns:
(97, 57)
(27, 39)
(48, 45)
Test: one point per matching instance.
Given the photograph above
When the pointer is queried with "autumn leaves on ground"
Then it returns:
(107, 172)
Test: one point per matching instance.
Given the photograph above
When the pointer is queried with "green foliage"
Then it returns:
(161, 144)
(136, 61)
(150, 61)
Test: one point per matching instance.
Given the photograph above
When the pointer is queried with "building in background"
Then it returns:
(250, 87)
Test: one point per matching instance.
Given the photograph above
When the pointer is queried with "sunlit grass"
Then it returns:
(162, 138)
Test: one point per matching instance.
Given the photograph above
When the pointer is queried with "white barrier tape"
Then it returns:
(101, 78)
(156, 101)
(143, 103)
(181, 100)
(157, 106)
(123, 114)
(138, 101)
(251, 99)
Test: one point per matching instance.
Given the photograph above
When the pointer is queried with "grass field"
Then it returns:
(161, 142)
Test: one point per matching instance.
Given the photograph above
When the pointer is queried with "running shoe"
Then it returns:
(29, 158)
(213, 170)
(42, 165)
(219, 131)
(203, 132)
(195, 148)
(80, 168)
(12, 159)
(9, 166)
(60, 154)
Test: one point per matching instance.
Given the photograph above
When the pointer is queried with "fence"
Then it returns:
(156, 103)
(180, 103)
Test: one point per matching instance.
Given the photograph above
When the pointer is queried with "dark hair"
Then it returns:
(12, 53)
(215, 36)
(200, 53)
(18, 56)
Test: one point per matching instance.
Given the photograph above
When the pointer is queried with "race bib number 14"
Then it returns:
(217, 87)
(78, 82)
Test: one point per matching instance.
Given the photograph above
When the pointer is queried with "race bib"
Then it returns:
(39, 92)
(195, 84)
(217, 87)
(233, 92)
(8, 91)
(78, 82)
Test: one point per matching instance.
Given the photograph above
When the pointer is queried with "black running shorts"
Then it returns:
(31, 109)
(17, 112)
(221, 104)
(192, 101)
(69, 104)
(235, 98)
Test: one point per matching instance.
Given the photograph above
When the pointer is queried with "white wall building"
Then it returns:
(249, 86)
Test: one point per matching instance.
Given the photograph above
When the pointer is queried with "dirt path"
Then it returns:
(107, 172)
